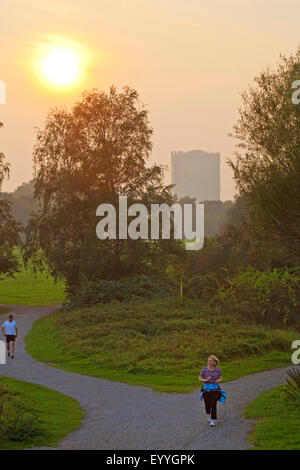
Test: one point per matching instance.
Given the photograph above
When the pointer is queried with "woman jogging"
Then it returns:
(211, 376)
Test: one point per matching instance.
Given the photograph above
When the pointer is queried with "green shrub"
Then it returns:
(17, 423)
(136, 288)
(202, 286)
(292, 388)
(269, 297)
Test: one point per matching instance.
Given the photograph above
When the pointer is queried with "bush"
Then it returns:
(136, 288)
(17, 423)
(271, 297)
(203, 286)
(292, 388)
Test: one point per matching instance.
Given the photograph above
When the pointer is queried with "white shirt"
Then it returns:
(9, 327)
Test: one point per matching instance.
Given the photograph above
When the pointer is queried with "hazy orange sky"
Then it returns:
(188, 59)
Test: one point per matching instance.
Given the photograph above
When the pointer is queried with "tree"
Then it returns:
(22, 201)
(4, 166)
(267, 165)
(84, 157)
(9, 228)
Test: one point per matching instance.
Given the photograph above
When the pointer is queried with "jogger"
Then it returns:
(10, 331)
(211, 376)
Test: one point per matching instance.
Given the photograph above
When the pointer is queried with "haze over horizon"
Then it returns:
(189, 62)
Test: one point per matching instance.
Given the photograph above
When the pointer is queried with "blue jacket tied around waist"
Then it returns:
(210, 387)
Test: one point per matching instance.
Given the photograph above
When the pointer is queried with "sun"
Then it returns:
(61, 66)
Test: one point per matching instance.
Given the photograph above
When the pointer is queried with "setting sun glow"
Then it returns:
(61, 66)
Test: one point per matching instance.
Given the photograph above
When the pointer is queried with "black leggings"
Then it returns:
(210, 400)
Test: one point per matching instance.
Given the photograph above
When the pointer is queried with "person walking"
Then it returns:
(211, 376)
(10, 331)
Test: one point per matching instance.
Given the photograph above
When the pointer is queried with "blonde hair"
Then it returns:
(214, 358)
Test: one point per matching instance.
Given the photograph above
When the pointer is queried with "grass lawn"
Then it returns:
(278, 426)
(161, 344)
(56, 414)
(27, 288)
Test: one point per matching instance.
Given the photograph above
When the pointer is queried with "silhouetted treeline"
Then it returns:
(22, 201)
(23, 204)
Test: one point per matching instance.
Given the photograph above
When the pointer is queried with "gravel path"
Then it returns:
(121, 416)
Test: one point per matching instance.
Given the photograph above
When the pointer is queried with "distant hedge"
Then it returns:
(269, 297)
(127, 289)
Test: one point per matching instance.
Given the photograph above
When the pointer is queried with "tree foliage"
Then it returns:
(267, 164)
(9, 228)
(84, 157)
(4, 166)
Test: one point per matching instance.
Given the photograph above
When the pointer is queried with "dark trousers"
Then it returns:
(210, 400)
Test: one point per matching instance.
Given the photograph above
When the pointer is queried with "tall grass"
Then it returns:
(159, 343)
